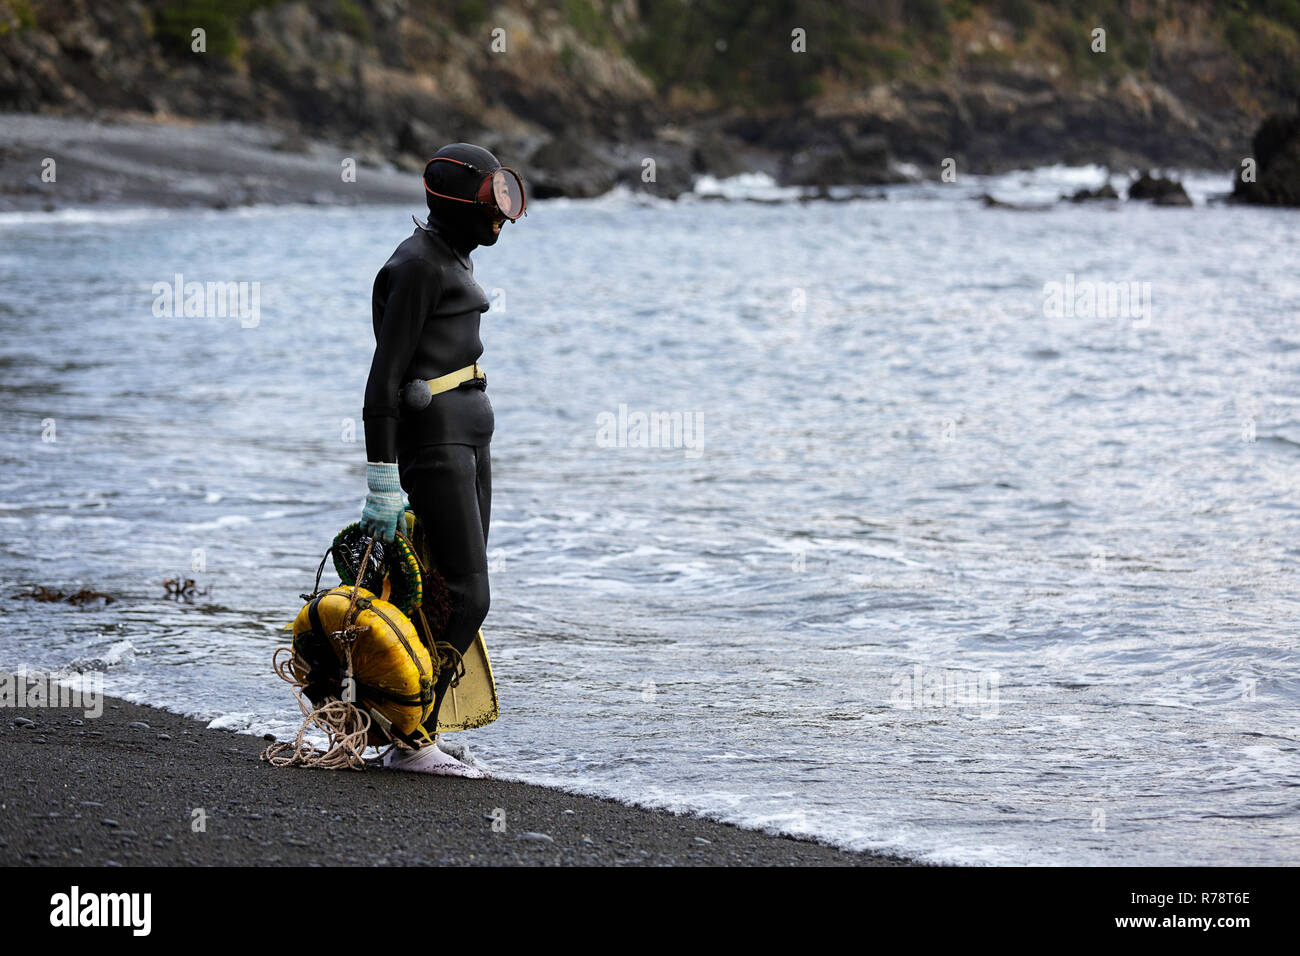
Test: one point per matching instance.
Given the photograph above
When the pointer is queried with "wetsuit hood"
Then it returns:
(464, 225)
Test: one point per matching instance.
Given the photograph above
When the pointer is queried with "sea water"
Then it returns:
(902, 523)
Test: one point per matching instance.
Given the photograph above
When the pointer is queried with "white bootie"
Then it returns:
(429, 759)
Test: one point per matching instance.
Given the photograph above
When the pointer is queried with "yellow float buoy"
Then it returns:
(392, 673)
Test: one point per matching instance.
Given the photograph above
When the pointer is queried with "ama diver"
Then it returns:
(428, 421)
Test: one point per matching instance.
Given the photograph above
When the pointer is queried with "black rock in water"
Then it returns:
(1104, 191)
(1161, 191)
(1276, 146)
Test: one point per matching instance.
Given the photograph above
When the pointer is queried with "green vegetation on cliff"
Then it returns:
(991, 81)
(741, 54)
(221, 20)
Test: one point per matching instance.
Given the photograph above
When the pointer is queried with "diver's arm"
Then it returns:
(413, 289)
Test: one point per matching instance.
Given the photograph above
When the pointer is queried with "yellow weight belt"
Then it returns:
(445, 383)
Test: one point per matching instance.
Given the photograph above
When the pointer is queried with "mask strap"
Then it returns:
(448, 159)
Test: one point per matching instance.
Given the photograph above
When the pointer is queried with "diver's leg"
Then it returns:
(485, 487)
(442, 482)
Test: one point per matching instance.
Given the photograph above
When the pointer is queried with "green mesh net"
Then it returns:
(392, 573)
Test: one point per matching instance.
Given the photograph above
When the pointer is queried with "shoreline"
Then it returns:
(132, 786)
(130, 163)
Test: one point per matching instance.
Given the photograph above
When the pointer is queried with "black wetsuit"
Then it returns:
(426, 309)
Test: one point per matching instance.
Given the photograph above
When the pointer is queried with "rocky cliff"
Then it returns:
(583, 91)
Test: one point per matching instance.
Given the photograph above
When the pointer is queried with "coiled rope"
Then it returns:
(345, 725)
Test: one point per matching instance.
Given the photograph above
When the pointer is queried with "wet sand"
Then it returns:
(123, 788)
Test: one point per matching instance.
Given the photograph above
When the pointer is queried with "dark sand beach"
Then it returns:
(123, 788)
(135, 162)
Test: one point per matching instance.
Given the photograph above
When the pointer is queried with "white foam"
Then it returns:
(745, 186)
(119, 655)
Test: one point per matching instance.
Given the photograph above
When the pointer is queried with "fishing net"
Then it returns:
(392, 572)
(399, 573)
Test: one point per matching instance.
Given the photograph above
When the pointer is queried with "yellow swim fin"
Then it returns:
(473, 702)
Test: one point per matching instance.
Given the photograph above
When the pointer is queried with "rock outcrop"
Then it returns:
(1160, 190)
(1104, 191)
(1276, 178)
